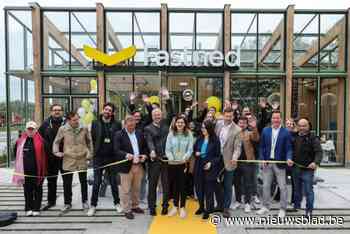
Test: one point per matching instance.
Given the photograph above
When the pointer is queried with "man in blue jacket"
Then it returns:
(275, 145)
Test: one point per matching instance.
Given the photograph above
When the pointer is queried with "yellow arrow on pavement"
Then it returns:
(112, 59)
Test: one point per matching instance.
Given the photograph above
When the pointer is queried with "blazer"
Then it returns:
(232, 146)
(213, 156)
(122, 146)
(283, 149)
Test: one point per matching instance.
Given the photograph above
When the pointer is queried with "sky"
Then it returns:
(258, 4)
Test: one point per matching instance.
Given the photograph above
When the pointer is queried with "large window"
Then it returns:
(319, 42)
(259, 39)
(332, 120)
(19, 35)
(250, 90)
(195, 31)
(124, 29)
(64, 35)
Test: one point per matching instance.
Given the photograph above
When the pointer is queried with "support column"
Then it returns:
(227, 47)
(36, 32)
(163, 45)
(347, 109)
(289, 61)
(100, 37)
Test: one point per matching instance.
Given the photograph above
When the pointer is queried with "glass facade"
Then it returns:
(201, 46)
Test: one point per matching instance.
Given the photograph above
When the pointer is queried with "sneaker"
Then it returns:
(263, 210)
(29, 213)
(91, 211)
(47, 207)
(36, 213)
(138, 210)
(281, 214)
(199, 211)
(205, 215)
(66, 208)
(164, 211)
(226, 213)
(143, 206)
(129, 215)
(183, 213)
(236, 206)
(247, 208)
(152, 212)
(173, 211)
(118, 208)
(256, 199)
(85, 206)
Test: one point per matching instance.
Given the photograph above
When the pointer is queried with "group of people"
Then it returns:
(205, 157)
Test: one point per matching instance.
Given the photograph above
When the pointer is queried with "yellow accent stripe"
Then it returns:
(175, 225)
(112, 59)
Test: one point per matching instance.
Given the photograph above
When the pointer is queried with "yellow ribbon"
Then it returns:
(72, 172)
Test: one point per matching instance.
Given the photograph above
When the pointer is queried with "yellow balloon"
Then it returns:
(154, 99)
(88, 118)
(93, 85)
(86, 104)
(214, 101)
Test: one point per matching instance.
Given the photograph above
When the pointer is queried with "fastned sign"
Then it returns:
(163, 58)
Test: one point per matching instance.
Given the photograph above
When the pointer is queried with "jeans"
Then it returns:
(247, 174)
(268, 173)
(177, 184)
(228, 181)
(109, 172)
(303, 182)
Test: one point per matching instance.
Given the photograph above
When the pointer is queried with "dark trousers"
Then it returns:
(157, 169)
(247, 174)
(177, 184)
(67, 187)
(33, 194)
(53, 167)
(205, 190)
(303, 184)
(238, 183)
(111, 174)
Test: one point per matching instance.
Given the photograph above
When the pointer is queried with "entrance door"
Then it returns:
(201, 87)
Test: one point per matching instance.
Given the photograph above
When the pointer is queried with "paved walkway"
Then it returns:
(332, 198)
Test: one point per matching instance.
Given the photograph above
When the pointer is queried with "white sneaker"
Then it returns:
(66, 208)
(36, 213)
(247, 208)
(29, 213)
(282, 214)
(85, 206)
(172, 212)
(91, 211)
(236, 206)
(263, 210)
(143, 206)
(118, 208)
(256, 200)
(182, 213)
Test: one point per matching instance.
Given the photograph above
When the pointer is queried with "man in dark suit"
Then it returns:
(275, 145)
(130, 144)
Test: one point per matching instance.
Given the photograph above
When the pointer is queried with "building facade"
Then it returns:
(296, 58)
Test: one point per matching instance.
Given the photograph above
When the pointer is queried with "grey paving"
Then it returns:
(332, 198)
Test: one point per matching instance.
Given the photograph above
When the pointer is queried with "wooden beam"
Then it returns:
(112, 37)
(227, 48)
(61, 39)
(289, 62)
(347, 134)
(330, 35)
(164, 26)
(100, 37)
(36, 33)
(276, 35)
